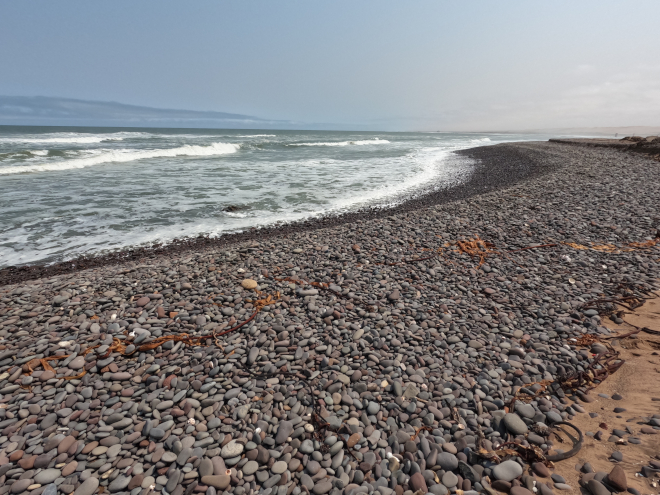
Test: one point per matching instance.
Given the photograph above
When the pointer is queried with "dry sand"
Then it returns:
(638, 381)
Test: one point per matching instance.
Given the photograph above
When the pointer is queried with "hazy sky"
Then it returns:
(406, 65)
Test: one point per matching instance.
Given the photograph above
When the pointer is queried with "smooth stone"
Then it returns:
(205, 467)
(597, 488)
(51, 489)
(525, 410)
(119, 483)
(507, 471)
(447, 461)
(77, 363)
(47, 476)
(20, 486)
(232, 449)
(148, 481)
(515, 425)
(417, 482)
(519, 490)
(449, 479)
(88, 487)
(279, 467)
(540, 469)
(313, 467)
(283, 432)
(617, 478)
(250, 467)
(252, 355)
(157, 433)
(322, 487)
(307, 447)
(217, 481)
(544, 489)
(307, 482)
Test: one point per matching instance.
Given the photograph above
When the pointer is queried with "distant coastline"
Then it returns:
(68, 112)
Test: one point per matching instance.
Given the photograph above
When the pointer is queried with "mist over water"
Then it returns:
(89, 190)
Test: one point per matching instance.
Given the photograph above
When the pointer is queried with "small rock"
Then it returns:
(217, 481)
(617, 478)
(515, 425)
(507, 471)
(88, 487)
(232, 449)
(417, 482)
(597, 488)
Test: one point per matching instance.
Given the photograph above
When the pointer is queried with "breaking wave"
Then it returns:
(123, 156)
(345, 143)
(65, 140)
(257, 135)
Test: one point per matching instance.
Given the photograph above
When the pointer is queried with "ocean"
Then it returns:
(65, 192)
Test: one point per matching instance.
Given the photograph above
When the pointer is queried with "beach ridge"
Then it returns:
(395, 349)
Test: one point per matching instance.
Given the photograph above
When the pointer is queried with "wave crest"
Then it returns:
(345, 143)
(64, 140)
(257, 135)
(123, 156)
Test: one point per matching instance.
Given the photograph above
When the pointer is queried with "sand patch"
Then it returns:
(638, 381)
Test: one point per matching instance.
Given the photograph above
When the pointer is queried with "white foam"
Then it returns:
(234, 214)
(75, 137)
(258, 135)
(431, 165)
(123, 156)
(345, 143)
(63, 140)
(482, 140)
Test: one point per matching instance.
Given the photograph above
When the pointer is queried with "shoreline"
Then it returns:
(387, 356)
(496, 167)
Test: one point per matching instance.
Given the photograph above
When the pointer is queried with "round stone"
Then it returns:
(251, 467)
(77, 363)
(47, 476)
(507, 471)
(157, 433)
(143, 301)
(249, 284)
(119, 483)
(218, 481)
(373, 408)
(307, 447)
(232, 449)
(449, 479)
(20, 486)
(279, 467)
(515, 425)
(447, 461)
(88, 487)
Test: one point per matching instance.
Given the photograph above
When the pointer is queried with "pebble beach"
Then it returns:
(382, 352)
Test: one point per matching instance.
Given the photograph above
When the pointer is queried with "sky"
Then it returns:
(390, 65)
